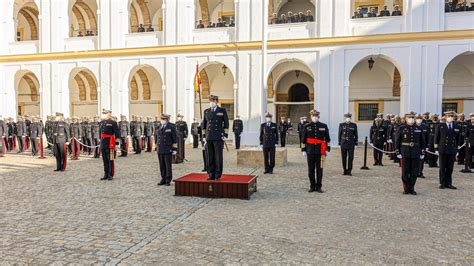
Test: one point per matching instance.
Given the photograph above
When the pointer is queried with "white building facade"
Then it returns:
(422, 60)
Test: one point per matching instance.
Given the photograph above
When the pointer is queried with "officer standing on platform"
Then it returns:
(425, 130)
(167, 146)
(124, 127)
(470, 140)
(215, 124)
(237, 128)
(315, 147)
(268, 142)
(182, 131)
(446, 142)
(348, 141)
(61, 137)
(195, 133)
(282, 130)
(432, 158)
(109, 132)
(149, 133)
(409, 146)
(377, 139)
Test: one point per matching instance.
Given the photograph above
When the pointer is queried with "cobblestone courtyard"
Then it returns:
(72, 217)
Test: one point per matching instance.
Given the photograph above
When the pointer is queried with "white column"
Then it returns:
(439, 98)
(264, 84)
(236, 99)
(405, 100)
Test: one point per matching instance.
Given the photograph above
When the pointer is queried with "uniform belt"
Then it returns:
(318, 141)
(411, 144)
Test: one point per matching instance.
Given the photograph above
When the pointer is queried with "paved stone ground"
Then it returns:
(72, 217)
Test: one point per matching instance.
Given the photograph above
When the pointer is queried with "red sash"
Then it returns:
(111, 138)
(318, 141)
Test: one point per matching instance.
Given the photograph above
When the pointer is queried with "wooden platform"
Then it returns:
(229, 186)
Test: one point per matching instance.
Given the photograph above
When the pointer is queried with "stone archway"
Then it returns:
(83, 98)
(82, 17)
(458, 87)
(147, 13)
(27, 18)
(27, 93)
(146, 91)
(211, 10)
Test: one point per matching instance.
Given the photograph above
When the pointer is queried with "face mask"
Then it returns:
(449, 119)
(180, 118)
(58, 118)
(410, 121)
(302, 120)
(163, 122)
(213, 104)
(348, 120)
(418, 121)
(268, 119)
(315, 119)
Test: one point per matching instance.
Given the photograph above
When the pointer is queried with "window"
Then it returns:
(229, 107)
(450, 106)
(367, 111)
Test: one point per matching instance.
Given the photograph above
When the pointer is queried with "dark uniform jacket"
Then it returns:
(447, 140)
(431, 131)
(136, 129)
(61, 132)
(124, 127)
(87, 130)
(410, 141)
(268, 135)
(166, 139)
(215, 124)
(108, 127)
(194, 128)
(95, 130)
(283, 127)
(462, 129)
(470, 135)
(238, 126)
(156, 126)
(348, 136)
(182, 129)
(300, 128)
(35, 130)
(318, 131)
(76, 130)
(149, 129)
(378, 135)
(3, 129)
(384, 13)
(20, 129)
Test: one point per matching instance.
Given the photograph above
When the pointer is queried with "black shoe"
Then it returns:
(422, 176)
(406, 192)
(265, 172)
(451, 187)
(104, 178)
(442, 187)
(413, 193)
(162, 182)
(57, 170)
(167, 184)
(110, 178)
(349, 173)
(319, 190)
(203, 170)
(345, 172)
(218, 178)
(270, 172)
(211, 178)
(312, 190)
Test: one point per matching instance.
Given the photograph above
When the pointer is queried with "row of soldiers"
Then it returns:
(26, 132)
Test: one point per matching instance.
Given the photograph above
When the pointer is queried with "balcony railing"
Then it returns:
(377, 25)
(459, 20)
(144, 39)
(214, 35)
(85, 43)
(292, 31)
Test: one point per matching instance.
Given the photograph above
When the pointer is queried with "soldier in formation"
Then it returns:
(166, 137)
(60, 137)
(237, 128)
(124, 127)
(268, 142)
(182, 131)
(283, 131)
(348, 139)
(377, 140)
(195, 133)
(446, 143)
(149, 134)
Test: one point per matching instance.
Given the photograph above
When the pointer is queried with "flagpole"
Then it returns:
(264, 58)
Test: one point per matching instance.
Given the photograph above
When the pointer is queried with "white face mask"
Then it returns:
(180, 118)
(268, 119)
(348, 120)
(58, 118)
(163, 122)
(213, 104)
(419, 121)
(315, 119)
(449, 119)
(410, 121)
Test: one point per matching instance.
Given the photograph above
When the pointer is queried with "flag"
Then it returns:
(197, 80)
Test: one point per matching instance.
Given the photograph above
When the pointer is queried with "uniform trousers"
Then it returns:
(165, 167)
(410, 171)
(214, 155)
(109, 170)
(237, 140)
(34, 145)
(347, 159)
(446, 165)
(60, 155)
(269, 158)
(314, 164)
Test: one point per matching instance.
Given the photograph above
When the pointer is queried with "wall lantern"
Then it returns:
(371, 63)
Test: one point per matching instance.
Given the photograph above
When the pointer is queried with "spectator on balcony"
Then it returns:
(472, 7)
(309, 16)
(372, 13)
(89, 33)
(150, 28)
(289, 19)
(232, 23)
(357, 13)
(274, 19)
(79, 34)
(384, 12)
(209, 25)
(296, 18)
(464, 7)
(282, 19)
(454, 5)
(141, 28)
(447, 6)
(396, 11)
(200, 25)
(301, 17)
(220, 23)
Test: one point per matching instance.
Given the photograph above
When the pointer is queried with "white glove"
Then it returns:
(276, 145)
(67, 143)
(436, 152)
(422, 157)
(304, 154)
(389, 141)
(370, 143)
(355, 147)
(204, 140)
(260, 146)
(399, 156)
(174, 153)
(224, 138)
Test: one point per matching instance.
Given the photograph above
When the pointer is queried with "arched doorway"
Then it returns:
(290, 92)
(146, 91)
(277, 8)
(27, 93)
(374, 87)
(82, 18)
(27, 22)
(146, 16)
(210, 11)
(458, 88)
(83, 98)
(217, 79)
(363, 7)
